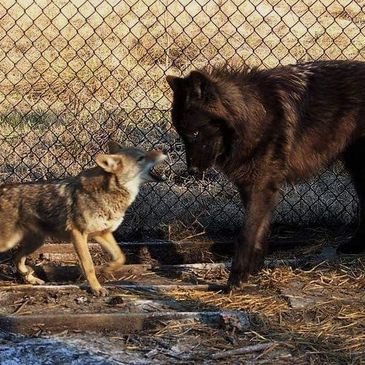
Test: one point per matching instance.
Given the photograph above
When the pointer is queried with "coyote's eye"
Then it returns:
(195, 134)
(140, 158)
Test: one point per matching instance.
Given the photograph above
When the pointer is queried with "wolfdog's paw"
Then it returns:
(100, 291)
(237, 280)
(353, 247)
(248, 263)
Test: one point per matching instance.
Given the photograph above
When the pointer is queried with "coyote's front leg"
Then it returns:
(83, 253)
(110, 245)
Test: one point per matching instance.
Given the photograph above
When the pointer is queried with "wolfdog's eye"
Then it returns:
(195, 134)
(140, 158)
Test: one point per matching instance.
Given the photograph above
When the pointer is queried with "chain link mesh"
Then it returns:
(75, 73)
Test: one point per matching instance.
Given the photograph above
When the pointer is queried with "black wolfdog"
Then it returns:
(266, 127)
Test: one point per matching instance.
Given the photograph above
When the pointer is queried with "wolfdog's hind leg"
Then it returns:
(355, 164)
(29, 245)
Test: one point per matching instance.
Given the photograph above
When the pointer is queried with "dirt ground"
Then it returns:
(75, 73)
(305, 307)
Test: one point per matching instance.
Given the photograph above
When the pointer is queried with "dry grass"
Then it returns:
(86, 56)
(328, 329)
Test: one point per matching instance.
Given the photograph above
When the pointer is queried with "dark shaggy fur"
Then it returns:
(266, 127)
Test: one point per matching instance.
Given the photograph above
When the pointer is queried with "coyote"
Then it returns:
(91, 204)
(263, 128)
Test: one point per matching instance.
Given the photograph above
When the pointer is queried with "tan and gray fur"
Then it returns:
(91, 204)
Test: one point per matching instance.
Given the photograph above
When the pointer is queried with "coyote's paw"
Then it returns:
(35, 281)
(114, 266)
(100, 291)
(31, 279)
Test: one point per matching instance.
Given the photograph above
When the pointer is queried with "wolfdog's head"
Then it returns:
(198, 114)
(218, 112)
(130, 163)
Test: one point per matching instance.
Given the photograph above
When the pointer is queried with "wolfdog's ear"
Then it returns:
(203, 87)
(109, 163)
(114, 147)
(174, 81)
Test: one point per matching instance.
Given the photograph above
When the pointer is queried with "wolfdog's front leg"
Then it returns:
(250, 246)
(82, 250)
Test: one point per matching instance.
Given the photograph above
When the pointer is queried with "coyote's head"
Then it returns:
(131, 164)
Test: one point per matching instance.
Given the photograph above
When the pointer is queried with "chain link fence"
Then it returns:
(75, 73)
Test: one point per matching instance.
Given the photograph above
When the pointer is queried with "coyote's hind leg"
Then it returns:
(28, 246)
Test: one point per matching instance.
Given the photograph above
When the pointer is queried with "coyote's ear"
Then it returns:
(203, 87)
(174, 82)
(114, 147)
(109, 163)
